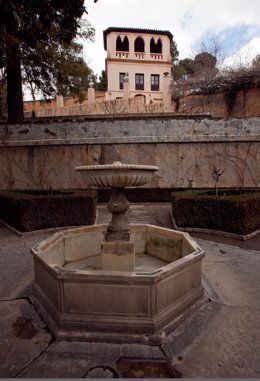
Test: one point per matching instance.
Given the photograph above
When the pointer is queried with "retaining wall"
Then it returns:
(246, 104)
(44, 155)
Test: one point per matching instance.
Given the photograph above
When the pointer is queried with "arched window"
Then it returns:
(118, 43)
(122, 46)
(125, 45)
(156, 47)
(139, 45)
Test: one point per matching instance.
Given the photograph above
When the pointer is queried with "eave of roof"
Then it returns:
(134, 30)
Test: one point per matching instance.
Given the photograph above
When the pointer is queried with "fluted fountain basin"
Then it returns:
(117, 175)
(80, 301)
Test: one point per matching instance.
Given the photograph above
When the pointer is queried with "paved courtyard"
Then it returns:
(222, 339)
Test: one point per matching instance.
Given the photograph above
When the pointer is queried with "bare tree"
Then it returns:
(216, 173)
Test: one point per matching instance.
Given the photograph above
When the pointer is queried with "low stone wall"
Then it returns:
(44, 155)
(135, 105)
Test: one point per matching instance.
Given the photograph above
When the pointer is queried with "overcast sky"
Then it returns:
(236, 23)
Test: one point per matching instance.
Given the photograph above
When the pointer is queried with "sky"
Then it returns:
(234, 24)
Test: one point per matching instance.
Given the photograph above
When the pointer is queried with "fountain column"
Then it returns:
(118, 250)
(118, 205)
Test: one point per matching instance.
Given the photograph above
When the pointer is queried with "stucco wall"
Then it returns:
(132, 62)
(44, 155)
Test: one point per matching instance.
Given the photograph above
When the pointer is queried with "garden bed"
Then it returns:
(233, 210)
(28, 210)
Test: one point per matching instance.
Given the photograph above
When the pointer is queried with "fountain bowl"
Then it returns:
(117, 175)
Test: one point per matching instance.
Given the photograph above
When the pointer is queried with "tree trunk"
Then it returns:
(216, 189)
(14, 85)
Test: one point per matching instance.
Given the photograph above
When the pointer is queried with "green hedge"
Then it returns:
(28, 210)
(235, 211)
(140, 194)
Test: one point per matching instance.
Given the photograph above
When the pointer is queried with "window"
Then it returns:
(139, 45)
(122, 46)
(155, 82)
(156, 47)
(121, 80)
(139, 81)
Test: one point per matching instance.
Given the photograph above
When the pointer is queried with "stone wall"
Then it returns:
(44, 155)
(246, 104)
(47, 104)
(135, 105)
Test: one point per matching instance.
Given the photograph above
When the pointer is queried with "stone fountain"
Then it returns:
(117, 282)
(118, 252)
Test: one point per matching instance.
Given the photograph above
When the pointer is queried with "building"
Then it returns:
(138, 66)
(138, 63)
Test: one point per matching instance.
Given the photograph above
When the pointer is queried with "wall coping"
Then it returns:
(144, 129)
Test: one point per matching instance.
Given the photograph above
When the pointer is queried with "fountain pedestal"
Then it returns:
(118, 256)
(118, 253)
(118, 205)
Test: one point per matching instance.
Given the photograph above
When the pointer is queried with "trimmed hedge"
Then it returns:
(235, 211)
(140, 194)
(28, 210)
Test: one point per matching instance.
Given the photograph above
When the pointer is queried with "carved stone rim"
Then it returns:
(116, 165)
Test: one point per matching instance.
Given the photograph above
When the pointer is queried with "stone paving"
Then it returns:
(222, 339)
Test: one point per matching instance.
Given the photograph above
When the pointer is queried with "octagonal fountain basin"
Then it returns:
(80, 301)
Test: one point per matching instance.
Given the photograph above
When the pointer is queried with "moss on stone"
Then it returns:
(164, 248)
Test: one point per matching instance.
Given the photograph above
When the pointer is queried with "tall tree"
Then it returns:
(3, 100)
(24, 24)
(10, 57)
(174, 54)
(212, 45)
(101, 84)
(256, 63)
(183, 69)
(204, 66)
(58, 67)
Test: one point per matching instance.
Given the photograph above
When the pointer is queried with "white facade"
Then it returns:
(143, 56)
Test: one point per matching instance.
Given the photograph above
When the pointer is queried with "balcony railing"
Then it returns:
(140, 55)
(122, 54)
(156, 56)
